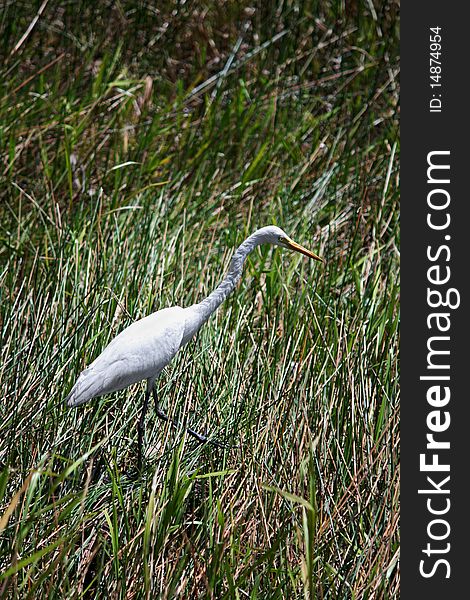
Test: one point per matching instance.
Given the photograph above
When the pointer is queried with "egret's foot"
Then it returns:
(218, 444)
(164, 417)
(202, 439)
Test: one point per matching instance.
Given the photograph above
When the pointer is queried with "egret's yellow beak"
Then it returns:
(298, 248)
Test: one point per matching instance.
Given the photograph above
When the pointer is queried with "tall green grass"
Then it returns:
(138, 147)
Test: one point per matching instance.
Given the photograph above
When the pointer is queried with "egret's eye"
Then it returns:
(281, 239)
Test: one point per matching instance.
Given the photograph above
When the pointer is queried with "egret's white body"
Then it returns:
(139, 352)
(144, 348)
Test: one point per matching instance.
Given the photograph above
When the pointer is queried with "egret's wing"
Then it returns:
(139, 352)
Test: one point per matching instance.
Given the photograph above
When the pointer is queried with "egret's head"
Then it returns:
(275, 235)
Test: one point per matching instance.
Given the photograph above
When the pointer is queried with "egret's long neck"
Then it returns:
(210, 304)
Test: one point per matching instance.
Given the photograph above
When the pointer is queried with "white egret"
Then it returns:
(144, 348)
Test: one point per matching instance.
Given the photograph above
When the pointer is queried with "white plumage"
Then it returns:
(143, 349)
(139, 352)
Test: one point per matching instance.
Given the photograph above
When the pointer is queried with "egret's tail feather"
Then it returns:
(85, 389)
(76, 397)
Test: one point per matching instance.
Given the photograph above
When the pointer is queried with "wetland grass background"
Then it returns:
(138, 146)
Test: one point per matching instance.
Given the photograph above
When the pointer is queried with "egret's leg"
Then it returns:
(140, 428)
(161, 415)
